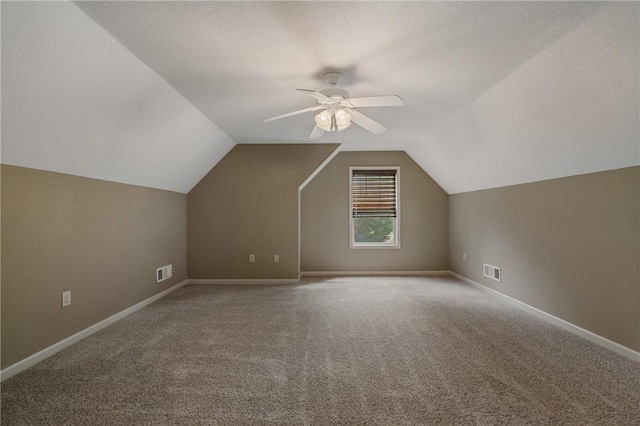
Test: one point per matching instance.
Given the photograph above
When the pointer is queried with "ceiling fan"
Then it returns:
(337, 110)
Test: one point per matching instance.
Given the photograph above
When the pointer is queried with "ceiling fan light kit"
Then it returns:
(332, 121)
(338, 110)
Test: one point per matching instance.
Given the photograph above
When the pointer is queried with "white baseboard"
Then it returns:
(57, 347)
(370, 273)
(19, 366)
(233, 281)
(595, 338)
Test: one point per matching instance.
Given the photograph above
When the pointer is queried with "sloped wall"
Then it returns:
(325, 219)
(248, 204)
(76, 101)
(572, 109)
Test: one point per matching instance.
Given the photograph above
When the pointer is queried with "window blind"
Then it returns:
(374, 193)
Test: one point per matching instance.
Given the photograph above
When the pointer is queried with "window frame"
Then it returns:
(388, 246)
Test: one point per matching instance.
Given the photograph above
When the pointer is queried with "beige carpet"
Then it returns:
(396, 351)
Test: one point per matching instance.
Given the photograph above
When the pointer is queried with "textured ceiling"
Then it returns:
(496, 93)
(240, 62)
(75, 101)
(572, 109)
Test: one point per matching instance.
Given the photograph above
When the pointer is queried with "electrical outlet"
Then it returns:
(276, 258)
(464, 257)
(66, 299)
(252, 258)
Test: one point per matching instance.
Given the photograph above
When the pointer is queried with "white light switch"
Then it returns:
(252, 258)
(276, 258)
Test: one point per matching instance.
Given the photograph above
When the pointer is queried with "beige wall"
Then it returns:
(248, 203)
(325, 219)
(101, 240)
(569, 247)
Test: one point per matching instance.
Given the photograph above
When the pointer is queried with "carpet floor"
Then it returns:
(357, 350)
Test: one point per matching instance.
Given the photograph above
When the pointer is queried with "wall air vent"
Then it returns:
(164, 273)
(492, 272)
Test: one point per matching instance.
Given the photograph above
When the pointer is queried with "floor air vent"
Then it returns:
(492, 272)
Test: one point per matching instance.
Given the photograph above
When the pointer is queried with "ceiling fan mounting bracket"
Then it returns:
(332, 77)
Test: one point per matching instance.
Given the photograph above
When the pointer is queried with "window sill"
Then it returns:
(375, 246)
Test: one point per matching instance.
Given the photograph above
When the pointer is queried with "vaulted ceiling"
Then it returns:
(155, 93)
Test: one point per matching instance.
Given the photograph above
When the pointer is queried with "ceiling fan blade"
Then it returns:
(316, 133)
(289, 114)
(367, 123)
(319, 96)
(373, 101)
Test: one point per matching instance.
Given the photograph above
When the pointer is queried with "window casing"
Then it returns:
(374, 207)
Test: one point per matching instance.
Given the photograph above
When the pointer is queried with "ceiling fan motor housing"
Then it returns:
(335, 94)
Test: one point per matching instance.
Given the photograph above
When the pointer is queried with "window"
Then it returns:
(374, 207)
